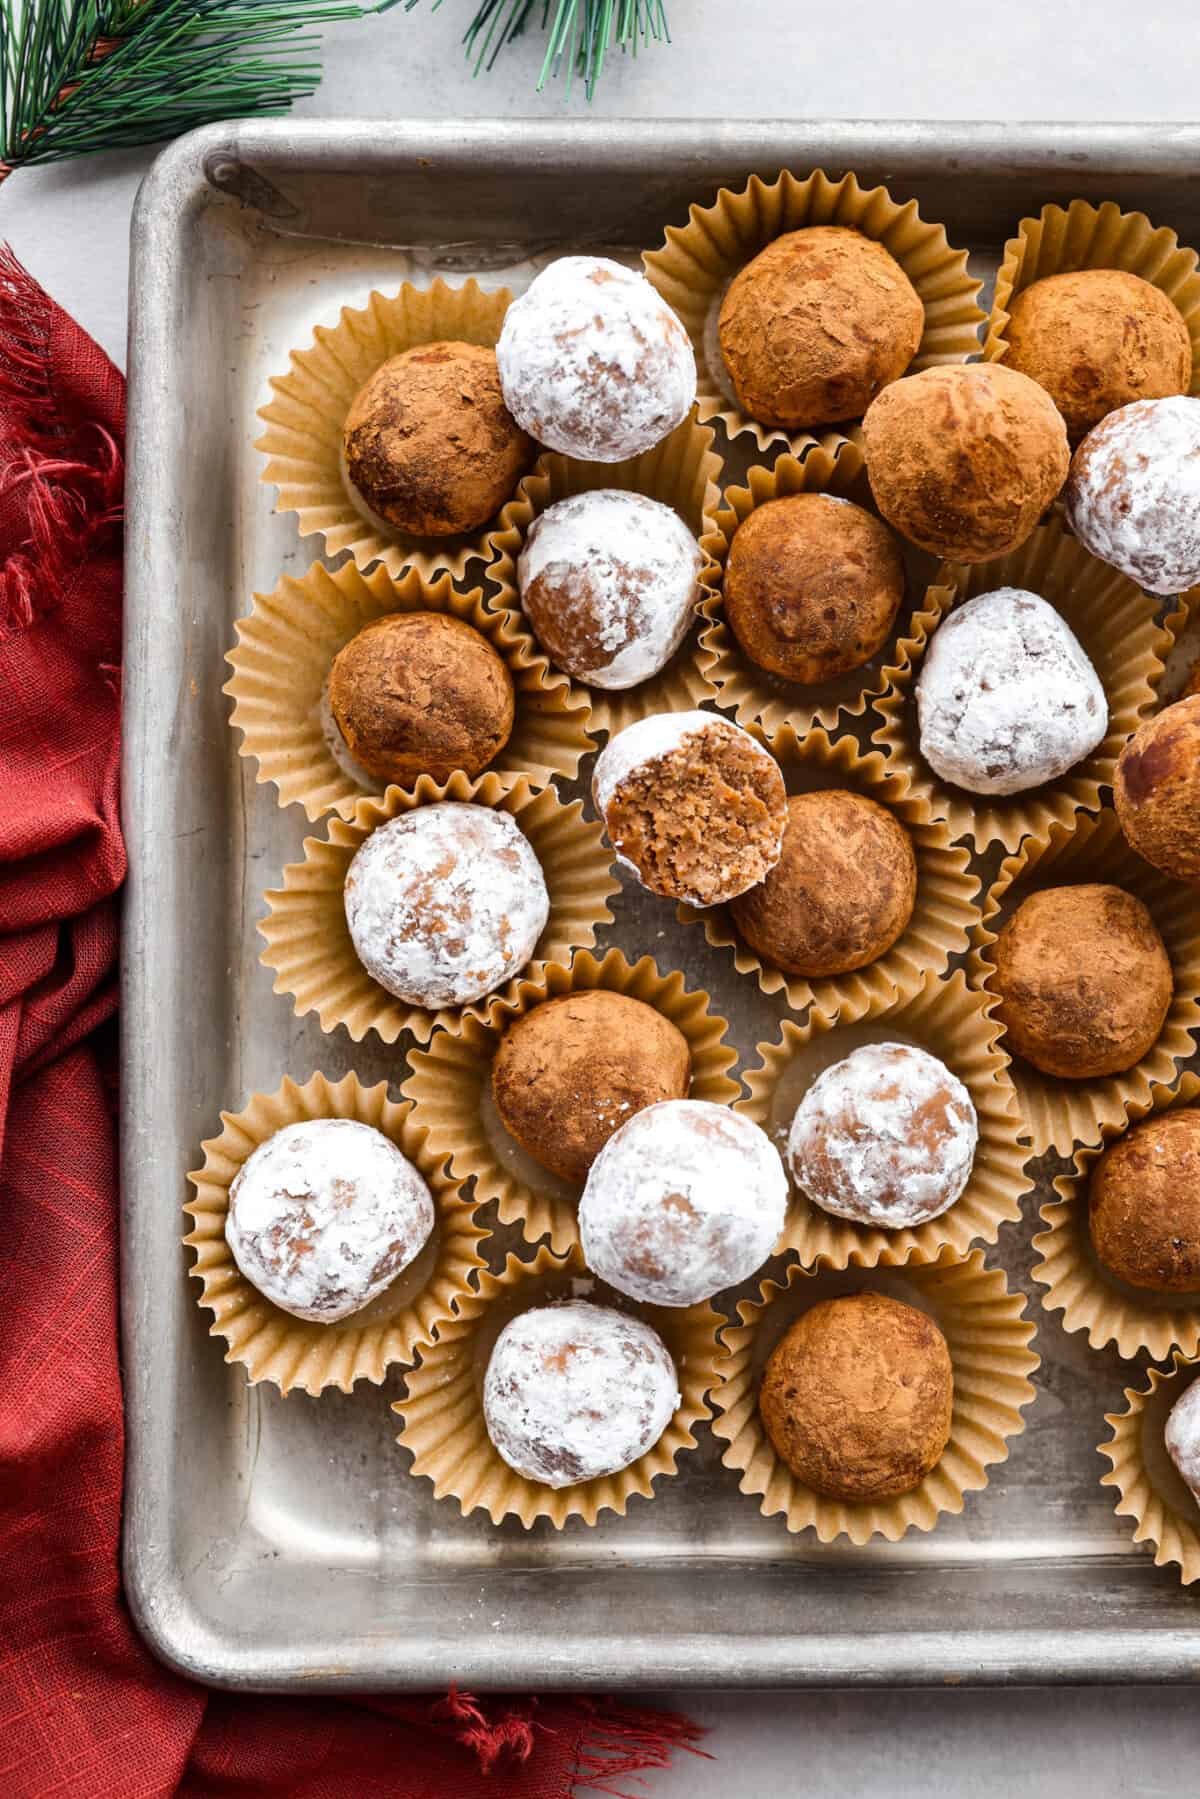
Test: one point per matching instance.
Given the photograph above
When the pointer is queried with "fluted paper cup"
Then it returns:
(1150, 1490)
(271, 1344)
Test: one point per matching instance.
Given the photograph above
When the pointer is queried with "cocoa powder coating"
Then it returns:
(842, 891)
(1098, 339)
(1144, 1204)
(421, 693)
(1085, 980)
(812, 586)
(1157, 790)
(965, 460)
(816, 325)
(572, 1071)
(857, 1397)
(429, 444)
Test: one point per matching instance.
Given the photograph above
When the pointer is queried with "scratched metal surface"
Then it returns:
(282, 1544)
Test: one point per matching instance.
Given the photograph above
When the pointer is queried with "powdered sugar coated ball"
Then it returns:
(685, 1199)
(324, 1215)
(1007, 698)
(885, 1137)
(1183, 1438)
(593, 363)
(1133, 495)
(577, 1391)
(445, 903)
(609, 583)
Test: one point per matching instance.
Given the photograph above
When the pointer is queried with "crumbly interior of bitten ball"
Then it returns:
(702, 820)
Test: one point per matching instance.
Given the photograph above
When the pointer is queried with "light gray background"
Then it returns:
(1029, 59)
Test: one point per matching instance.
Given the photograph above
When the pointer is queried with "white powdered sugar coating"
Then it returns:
(1133, 494)
(1182, 1437)
(593, 363)
(324, 1215)
(885, 1137)
(445, 903)
(1007, 698)
(575, 1391)
(620, 576)
(685, 1199)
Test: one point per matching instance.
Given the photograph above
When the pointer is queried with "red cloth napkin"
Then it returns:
(85, 1712)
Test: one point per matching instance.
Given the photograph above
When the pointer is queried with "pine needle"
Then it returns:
(580, 33)
(83, 75)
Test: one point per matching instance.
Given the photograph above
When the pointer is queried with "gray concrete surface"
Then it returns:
(1029, 59)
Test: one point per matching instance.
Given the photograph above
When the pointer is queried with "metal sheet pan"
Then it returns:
(281, 1544)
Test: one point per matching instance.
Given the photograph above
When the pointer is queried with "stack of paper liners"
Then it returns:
(270, 1343)
(698, 261)
(1062, 240)
(309, 944)
(306, 416)
(1150, 1489)
(989, 1343)
(442, 1415)
(286, 647)
(756, 696)
(1116, 624)
(1089, 1298)
(952, 1023)
(944, 914)
(683, 472)
(450, 1086)
(1061, 1114)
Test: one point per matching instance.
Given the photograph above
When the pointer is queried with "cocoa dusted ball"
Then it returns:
(842, 891)
(1144, 1204)
(1157, 790)
(857, 1397)
(421, 693)
(965, 460)
(816, 325)
(1085, 981)
(1098, 339)
(429, 445)
(813, 586)
(572, 1071)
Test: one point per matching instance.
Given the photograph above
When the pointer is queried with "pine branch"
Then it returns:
(580, 33)
(82, 75)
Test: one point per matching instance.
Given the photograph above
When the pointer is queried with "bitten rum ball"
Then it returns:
(421, 693)
(429, 446)
(572, 1071)
(842, 891)
(816, 325)
(1157, 790)
(812, 586)
(1096, 340)
(1144, 1203)
(964, 460)
(857, 1397)
(1085, 981)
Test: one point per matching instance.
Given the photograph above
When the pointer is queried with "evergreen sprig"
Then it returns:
(82, 75)
(580, 32)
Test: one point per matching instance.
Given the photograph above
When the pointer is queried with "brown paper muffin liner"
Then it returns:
(756, 696)
(442, 1416)
(308, 939)
(1116, 624)
(1150, 1489)
(698, 261)
(270, 1343)
(943, 917)
(1062, 240)
(683, 471)
(1061, 1114)
(989, 1342)
(285, 649)
(950, 1021)
(1088, 1296)
(305, 416)
(451, 1090)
